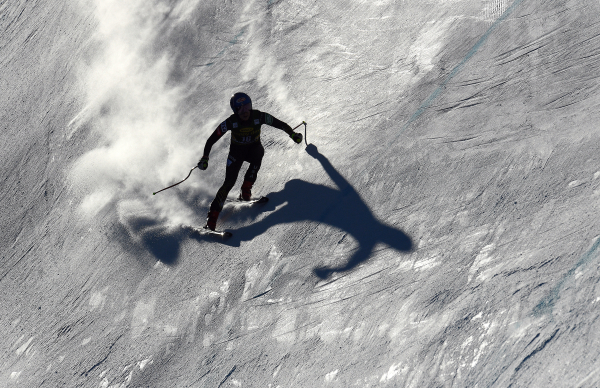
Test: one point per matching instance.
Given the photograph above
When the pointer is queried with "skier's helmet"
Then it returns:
(238, 100)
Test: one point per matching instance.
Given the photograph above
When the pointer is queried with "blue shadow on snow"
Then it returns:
(342, 208)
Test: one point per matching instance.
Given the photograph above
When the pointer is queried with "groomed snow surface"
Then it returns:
(439, 230)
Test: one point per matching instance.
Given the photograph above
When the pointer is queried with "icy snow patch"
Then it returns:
(391, 373)
(23, 348)
(143, 312)
(97, 300)
(428, 44)
(329, 377)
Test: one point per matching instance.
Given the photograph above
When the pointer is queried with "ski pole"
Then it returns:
(305, 142)
(176, 183)
(304, 122)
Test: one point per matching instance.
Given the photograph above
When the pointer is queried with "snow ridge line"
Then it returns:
(540, 347)
(458, 67)
(228, 376)
(86, 373)
(16, 263)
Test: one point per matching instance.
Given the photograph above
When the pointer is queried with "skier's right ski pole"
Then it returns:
(176, 183)
(304, 122)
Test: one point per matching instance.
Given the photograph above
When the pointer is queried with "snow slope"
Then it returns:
(438, 230)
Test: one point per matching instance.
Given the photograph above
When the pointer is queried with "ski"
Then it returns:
(222, 233)
(205, 231)
(250, 202)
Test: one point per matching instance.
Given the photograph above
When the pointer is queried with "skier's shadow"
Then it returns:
(342, 208)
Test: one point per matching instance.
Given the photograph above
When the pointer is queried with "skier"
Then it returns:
(244, 124)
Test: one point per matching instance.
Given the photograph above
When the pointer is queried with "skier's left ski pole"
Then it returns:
(176, 183)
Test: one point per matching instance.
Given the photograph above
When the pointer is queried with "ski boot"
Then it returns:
(211, 220)
(246, 193)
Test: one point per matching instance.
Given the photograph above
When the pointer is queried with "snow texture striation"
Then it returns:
(439, 230)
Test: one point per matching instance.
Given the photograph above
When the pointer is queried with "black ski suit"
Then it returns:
(245, 147)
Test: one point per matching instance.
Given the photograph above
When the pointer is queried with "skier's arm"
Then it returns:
(274, 122)
(212, 139)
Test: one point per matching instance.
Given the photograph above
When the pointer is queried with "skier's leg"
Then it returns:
(234, 164)
(255, 159)
(231, 172)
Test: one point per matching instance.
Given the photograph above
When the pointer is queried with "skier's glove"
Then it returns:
(203, 163)
(297, 137)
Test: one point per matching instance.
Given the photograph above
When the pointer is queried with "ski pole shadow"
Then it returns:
(342, 208)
